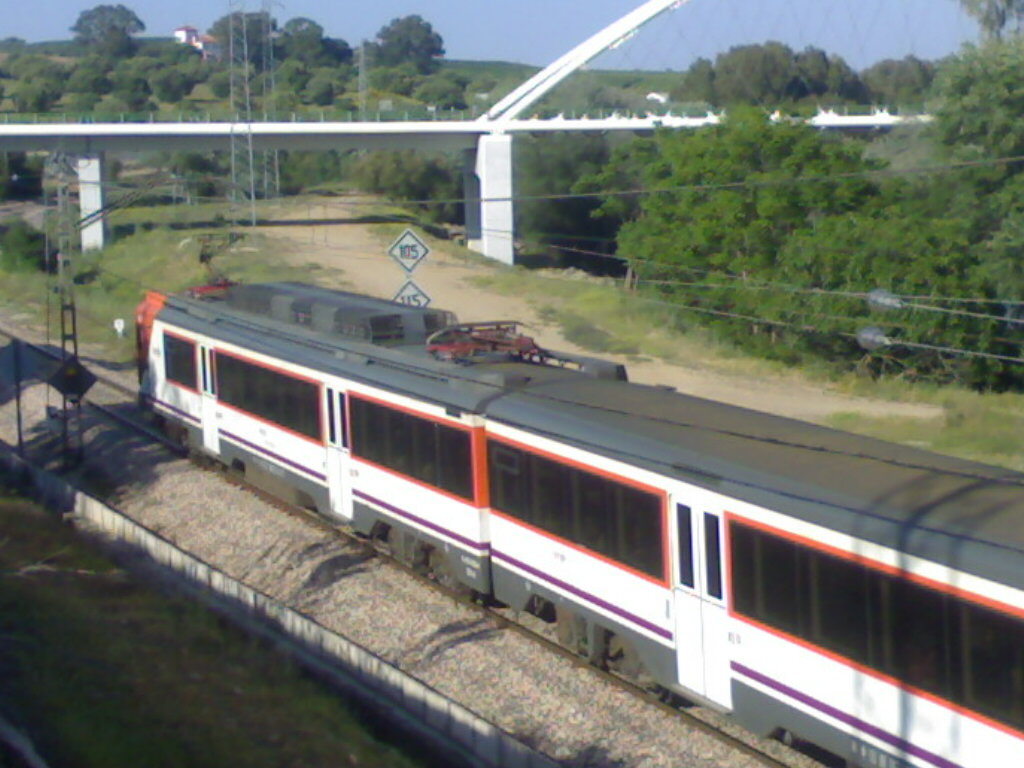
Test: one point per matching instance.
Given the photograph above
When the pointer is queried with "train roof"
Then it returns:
(965, 514)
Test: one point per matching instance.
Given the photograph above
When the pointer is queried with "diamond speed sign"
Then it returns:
(408, 250)
(412, 295)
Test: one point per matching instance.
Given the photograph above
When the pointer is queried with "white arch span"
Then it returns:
(534, 89)
(490, 227)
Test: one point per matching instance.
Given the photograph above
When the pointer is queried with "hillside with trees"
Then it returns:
(770, 234)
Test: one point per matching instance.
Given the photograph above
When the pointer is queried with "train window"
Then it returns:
(368, 436)
(641, 540)
(779, 597)
(684, 535)
(180, 361)
(968, 654)
(401, 443)
(598, 513)
(919, 642)
(332, 433)
(455, 468)
(713, 555)
(743, 578)
(993, 657)
(432, 453)
(594, 512)
(839, 605)
(203, 352)
(507, 471)
(342, 420)
(550, 496)
(292, 403)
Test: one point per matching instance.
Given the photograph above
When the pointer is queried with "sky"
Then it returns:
(538, 31)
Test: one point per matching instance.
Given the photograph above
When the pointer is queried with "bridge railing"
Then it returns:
(427, 115)
(225, 116)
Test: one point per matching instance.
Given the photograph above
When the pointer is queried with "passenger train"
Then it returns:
(863, 596)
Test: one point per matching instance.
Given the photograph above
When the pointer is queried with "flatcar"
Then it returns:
(860, 595)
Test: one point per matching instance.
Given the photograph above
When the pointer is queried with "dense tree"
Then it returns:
(756, 74)
(993, 16)
(400, 80)
(414, 176)
(546, 167)
(21, 176)
(292, 75)
(983, 98)
(37, 95)
(108, 29)
(86, 79)
(894, 81)
(302, 170)
(323, 85)
(408, 39)
(35, 67)
(302, 40)
(697, 83)
(21, 246)
(445, 91)
(82, 102)
(258, 27)
(131, 90)
(220, 84)
(170, 85)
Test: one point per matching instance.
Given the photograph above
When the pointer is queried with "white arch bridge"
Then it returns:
(486, 143)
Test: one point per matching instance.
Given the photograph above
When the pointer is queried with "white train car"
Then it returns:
(863, 596)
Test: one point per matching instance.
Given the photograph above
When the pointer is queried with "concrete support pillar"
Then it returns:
(91, 201)
(471, 194)
(490, 228)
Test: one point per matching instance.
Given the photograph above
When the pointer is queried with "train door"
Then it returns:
(337, 454)
(209, 413)
(701, 629)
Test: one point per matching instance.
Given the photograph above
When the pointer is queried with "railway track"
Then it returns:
(711, 725)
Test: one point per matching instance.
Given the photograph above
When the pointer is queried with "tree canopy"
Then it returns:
(108, 29)
(303, 40)
(993, 16)
(408, 39)
(771, 232)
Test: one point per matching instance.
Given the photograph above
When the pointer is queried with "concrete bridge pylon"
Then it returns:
(491, 230)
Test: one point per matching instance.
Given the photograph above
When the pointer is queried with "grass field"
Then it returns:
(102, 671)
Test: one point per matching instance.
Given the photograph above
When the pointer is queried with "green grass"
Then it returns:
(101, 671)
(110, 283)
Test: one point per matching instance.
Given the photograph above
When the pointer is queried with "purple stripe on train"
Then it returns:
(274, 456)
(854, 722)
(632, 618)
(176, 411)
(477, 545)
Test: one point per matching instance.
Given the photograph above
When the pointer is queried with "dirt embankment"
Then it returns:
(353, 257)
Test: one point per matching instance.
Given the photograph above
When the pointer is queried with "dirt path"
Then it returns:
(353, 257)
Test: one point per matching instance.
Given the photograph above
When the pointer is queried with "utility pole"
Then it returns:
(60, 168)
(362, 81)
(271, 161)
(243, 181)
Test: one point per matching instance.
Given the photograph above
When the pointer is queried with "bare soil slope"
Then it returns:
(353, 257)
